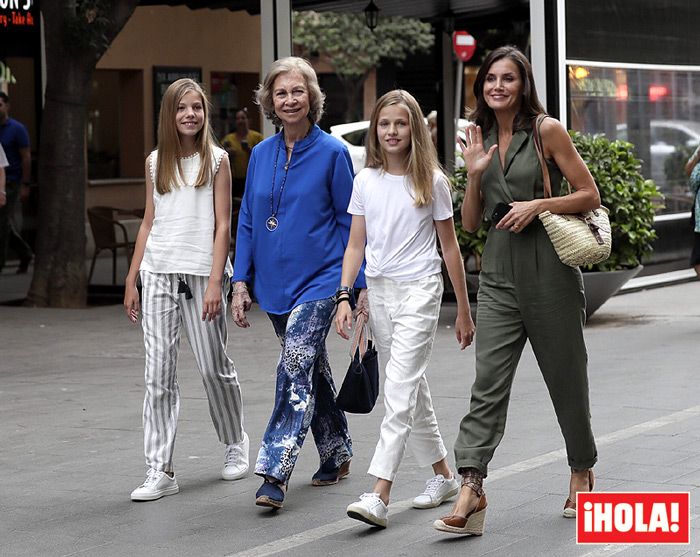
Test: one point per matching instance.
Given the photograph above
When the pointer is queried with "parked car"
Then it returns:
(666, 137)
(353, 136)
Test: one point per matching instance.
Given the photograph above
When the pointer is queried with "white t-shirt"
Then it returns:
(3, 158)
(401, 238)
(182, 236)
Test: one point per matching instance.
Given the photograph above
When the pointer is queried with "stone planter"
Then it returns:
(601, 286)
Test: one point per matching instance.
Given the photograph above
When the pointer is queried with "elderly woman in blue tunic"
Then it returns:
(292, 231)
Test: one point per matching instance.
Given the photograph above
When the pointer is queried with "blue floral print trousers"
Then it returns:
(305, 395)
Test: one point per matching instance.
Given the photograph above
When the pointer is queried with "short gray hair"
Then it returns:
(263, 94)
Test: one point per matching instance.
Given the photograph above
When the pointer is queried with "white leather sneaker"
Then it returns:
(370, 509)
(236, 460)
(157, 484)
(437, 490)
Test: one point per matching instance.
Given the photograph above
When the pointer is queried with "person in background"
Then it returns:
(3, 183)
(238, 145)
(181, 256)
(433, 127)
(14, 139)
(695, 255)
(292, 232)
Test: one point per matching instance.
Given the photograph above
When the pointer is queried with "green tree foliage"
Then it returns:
(86, 26)
(344, 41)
(631, 199)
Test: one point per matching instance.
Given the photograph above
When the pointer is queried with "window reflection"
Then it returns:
(655, 109)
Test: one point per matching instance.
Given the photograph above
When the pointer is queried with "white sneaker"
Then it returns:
(236, 460)
(370, 509)
(158, 484)
(437, 490)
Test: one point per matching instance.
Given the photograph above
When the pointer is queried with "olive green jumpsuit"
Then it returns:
(525, 293)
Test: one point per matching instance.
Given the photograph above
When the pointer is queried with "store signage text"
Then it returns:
(17, 13)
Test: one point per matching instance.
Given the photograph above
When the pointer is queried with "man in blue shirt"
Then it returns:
(15, 141)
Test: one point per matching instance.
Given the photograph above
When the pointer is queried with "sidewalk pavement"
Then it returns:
(71, 391)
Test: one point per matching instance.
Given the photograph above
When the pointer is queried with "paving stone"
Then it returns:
(71, 391)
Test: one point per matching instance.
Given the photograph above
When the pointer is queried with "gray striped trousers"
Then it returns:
(164, 314)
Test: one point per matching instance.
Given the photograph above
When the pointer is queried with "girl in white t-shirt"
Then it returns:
(181, 256)
(398, 203)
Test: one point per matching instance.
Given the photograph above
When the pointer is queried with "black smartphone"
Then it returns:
(501, 210)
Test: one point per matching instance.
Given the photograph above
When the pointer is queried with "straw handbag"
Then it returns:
(580, 238)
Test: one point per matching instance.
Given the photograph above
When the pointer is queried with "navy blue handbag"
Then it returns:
(360, 388)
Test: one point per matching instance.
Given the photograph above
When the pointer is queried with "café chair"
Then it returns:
(104, 225)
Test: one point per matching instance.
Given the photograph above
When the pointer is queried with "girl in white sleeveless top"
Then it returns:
(181, 257)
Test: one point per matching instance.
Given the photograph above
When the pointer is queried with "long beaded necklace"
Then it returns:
(272, 223)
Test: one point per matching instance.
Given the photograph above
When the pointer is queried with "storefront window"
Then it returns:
(224, 100)
(115, 143)
(656, 109)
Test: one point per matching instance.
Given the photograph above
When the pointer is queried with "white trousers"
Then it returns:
(164, 313)
(404, 318)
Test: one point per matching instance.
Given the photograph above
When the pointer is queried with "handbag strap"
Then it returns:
(536, 123)
(361, 336)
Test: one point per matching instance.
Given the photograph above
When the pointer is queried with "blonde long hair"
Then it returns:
(421, 159)
(169, 168)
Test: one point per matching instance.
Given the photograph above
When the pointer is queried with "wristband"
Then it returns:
(343, 289)
(343, 299)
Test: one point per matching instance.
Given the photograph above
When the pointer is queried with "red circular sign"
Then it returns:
(464, 45)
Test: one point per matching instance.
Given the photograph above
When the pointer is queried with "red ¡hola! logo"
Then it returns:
(629, 518)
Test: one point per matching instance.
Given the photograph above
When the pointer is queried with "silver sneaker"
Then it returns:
(437, 490)
(370, 509)
(157, 484)
(236, 460)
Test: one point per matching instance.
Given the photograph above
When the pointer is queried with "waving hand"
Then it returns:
(475, 158)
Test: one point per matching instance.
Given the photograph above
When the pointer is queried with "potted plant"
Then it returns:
(631, 199)
(471, 245)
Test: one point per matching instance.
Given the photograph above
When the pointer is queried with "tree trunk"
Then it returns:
(353, 88)
(59, 272)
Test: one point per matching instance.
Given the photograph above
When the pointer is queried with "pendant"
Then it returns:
(271, 223)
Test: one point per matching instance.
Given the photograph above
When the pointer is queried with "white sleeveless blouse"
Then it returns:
(182, 235)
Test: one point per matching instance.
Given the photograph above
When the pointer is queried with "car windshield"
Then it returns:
(356, 137)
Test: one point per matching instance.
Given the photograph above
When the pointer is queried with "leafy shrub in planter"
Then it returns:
(631, 199)
(469, 243)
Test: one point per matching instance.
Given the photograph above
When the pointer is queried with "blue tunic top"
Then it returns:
(301, 259)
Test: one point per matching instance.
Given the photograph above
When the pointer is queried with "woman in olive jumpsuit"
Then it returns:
(525, 291)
